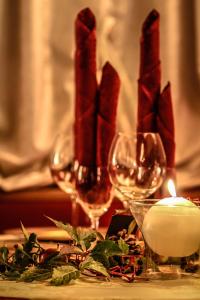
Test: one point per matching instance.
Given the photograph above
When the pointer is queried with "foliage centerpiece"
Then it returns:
(87, 253)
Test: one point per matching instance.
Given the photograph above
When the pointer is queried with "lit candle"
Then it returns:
(171, 227)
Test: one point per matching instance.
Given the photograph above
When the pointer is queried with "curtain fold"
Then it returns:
(37, 77)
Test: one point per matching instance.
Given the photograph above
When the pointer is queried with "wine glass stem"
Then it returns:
(95, 222)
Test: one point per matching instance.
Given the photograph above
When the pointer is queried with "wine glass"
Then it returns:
(94, 191)
(89, 187)
(62, 167)
(137, 165)
(62, 163)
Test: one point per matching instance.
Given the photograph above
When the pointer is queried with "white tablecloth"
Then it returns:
(92, 289)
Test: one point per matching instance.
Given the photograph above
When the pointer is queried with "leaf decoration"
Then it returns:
(25, 232)
(120, 256)
(21, 258)
(81, 237)
(4, 254)
(64, 274)
(71, 231)
(108, 247)
(86, 238)
(50, 257)
(30, 243)
(99, 236)
(24, 254)
(91, 264)
(131, 226)
(70, 249)
(123, 246)
(105, 249)
(34, 273)
(11, 275)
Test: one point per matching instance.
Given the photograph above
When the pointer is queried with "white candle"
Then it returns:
(171, 227)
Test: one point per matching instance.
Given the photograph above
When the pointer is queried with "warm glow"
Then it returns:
(171, 188)
(56, 159)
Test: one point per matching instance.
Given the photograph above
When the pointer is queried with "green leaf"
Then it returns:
(108, 247)
(71, 231)
(100, 236)
(82, 238)
(131, 226)
(64, 274)
(51, 259)
(70, 249)
(21, 258)
(86, 238)
(30, 243)
(11, 275)
(25, 232)
(4, 254)
(123, 246)
(105, 249)
(34, 273)
(91, 264)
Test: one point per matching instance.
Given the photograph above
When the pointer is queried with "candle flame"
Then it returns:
(56, 159)
(171, 188)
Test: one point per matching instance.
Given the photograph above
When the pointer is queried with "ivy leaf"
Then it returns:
(71, 231)
(91, 264)
(86, 238)
(34, 273)
(51, 258)
(123, 246)
(11, 275)
(100, 236)
(25, 232)
(70, 249)
(131, 226)
(82, 238)
(56, 261)
(4, 254)
(21, 258)
(64, 274)
(30, 243)
(108, 247)
(105, 249)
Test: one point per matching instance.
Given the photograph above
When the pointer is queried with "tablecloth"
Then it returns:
(93, 289)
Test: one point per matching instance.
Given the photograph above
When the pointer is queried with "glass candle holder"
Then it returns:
(171, 233)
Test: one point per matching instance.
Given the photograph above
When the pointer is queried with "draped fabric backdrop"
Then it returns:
(37, 77)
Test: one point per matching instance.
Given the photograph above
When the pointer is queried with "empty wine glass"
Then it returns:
(62, 163)
(137, 164)
(90, 187)
(94, 192)
(62, 166)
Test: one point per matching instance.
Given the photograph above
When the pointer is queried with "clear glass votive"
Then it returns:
(171, 233)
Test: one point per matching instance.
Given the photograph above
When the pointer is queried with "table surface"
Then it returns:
(94, 289)
(98, 290)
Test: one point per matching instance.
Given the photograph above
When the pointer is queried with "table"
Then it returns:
(92, 289)
(87, 288)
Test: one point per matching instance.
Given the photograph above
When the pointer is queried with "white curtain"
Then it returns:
(37, 77)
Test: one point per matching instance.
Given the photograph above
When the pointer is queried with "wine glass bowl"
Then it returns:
(94, 191)
(62, 164)
(137, 164)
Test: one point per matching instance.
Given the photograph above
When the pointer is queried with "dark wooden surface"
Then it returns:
(31, 206)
